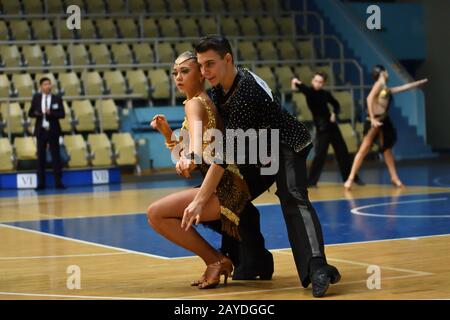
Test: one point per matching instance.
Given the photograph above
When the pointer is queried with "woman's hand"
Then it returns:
(159, 122)
(375, 123)
(192, 213)
(184, 167)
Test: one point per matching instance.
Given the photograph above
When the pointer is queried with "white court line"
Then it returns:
(357, 210)
(84, 242)
(72, 296)
(65, 256)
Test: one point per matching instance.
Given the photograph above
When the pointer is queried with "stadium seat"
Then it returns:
(237, 5)
(11, 7)
(158, 6)
(249, 26)
(345, 99)
(168, 27)
(115, 82)
(55, 6)
(97, 6)
(209, 26)
(177, 6)
(11, 56)
(4, 35)
(77, 150)
(267, 24)
(117, 6)
(41, 29)
(284, 75)
(15, 120)
(23, 84)
(125, 149)
(127, 28)
(216, 6)
(150, 28)
(287, 50)
(106, 28)
(100, 53)
(196, 5)
(100, 149)
(122, 53)
(61, 30)
(350, 137)
(25, 148)
(19, 29)
(286, 25)
(6, 155)
(229, 26)
(143, 53)
(70, 83)
(304, 73)
(181, 47)
(84, 115)
(78, 54)
(165, 52)
(306, 49)
(267, 50)
(160, 83)
(247, 50)
(5, 86)
(66, 123)
(139, 82)
(93, 83)
(189, 27)
(33, 56)
(107, 114)
(301, 107)
(137, 6)
(32, 7)
(56, 56)
(87, 30)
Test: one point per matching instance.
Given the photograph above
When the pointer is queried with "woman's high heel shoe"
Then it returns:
(215, 271)
(348, 184)
(199, 281)
(397, 183)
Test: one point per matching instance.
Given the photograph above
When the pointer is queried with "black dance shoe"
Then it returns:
(322, 278)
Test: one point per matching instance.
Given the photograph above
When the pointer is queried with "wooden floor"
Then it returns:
(33, 265)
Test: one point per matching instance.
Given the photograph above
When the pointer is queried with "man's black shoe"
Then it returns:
(322, 278)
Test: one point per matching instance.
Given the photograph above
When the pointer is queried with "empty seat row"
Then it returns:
(135, 6)
(97, 151)
(82, 116)
(41, 29)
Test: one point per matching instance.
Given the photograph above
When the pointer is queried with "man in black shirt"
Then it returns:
(245, 102)
(327, 130)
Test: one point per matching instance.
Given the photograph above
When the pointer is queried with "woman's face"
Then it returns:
(187, 76)
(385, 74)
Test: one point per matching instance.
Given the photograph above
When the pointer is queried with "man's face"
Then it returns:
(46, 87)
(317, 82)
(213, 66)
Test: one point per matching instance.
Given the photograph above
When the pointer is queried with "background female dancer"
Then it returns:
(378, 125)
(169, 216)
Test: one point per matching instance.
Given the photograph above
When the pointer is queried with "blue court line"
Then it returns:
(340, 226)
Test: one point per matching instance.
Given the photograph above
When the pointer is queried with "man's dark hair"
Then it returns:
(322, 74)
(44, 79)
(214, 42)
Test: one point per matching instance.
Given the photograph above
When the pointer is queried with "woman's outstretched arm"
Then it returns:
(408, 86)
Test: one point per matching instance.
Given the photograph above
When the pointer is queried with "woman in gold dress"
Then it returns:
(170, 216)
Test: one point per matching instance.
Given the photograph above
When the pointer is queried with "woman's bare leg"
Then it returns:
(165, 217)
(360, 155)
(390, 163)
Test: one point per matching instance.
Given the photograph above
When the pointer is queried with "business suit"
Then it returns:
(47, 131)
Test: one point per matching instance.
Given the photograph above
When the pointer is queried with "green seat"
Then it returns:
(108, 114)
(101, 150)
(25, 148)
(33, 56)
(125, 148)
(23, 84)
(70, 83)
(77, 151)
(93, 83)
(115, 82)
(346, 101)
(15, 121)
(160, 83)
(138, 82)
(6, 155)
(84, 115)
(301, 107)
(143, 52)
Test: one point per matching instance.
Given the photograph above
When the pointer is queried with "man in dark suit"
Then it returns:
(47, 109)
